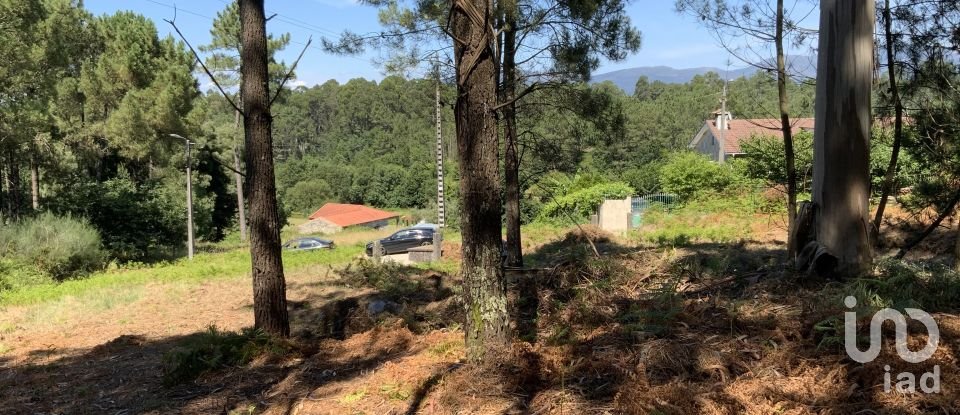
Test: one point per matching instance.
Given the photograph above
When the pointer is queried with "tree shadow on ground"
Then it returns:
(125, 375)
(700, 328)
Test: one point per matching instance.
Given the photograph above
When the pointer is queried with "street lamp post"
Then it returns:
(187, 143)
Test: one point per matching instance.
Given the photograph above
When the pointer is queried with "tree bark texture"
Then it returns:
(841, 181)
(269, 286)
(487, 321)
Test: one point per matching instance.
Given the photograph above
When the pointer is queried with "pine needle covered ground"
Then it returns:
(701, 327)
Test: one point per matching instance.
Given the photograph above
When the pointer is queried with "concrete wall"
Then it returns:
(614, 215)
(318, 226)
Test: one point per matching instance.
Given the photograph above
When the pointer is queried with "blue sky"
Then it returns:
(669, 39)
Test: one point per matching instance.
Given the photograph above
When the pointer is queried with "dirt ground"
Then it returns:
(706, 328)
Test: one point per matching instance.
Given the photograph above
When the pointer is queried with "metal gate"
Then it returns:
(639, 204)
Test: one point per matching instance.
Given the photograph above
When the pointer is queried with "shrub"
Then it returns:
(60, 247)
(15, 275)
(307, 196)
(581, 203)
(686, 174)
(137, 222)
(645, 179)
(765, 155)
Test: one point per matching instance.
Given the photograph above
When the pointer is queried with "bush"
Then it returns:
(584, 202)
(686, 174)
(55, 246)
(306, 197)
(137, 222)
(765, 155)
(15, 275)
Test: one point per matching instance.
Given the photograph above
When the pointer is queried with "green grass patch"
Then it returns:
(902, 284)
(204, 267)
(396, 391)
(716, 219)
(451, 347)
(352, 398)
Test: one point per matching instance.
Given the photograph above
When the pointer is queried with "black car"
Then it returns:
(308, 244)
(403, 240)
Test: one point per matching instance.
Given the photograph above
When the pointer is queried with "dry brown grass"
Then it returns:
(708, 329)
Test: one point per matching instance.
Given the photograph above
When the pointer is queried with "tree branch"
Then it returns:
(200, 61)
(290, 72)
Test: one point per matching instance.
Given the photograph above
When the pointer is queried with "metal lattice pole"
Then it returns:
(440, 208)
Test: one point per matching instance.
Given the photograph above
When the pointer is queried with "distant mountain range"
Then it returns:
(798, 65)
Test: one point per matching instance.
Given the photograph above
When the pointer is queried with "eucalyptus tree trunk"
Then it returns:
(269, 286)
(841, 180)
(511, 161)
(487, 321)
(789, 157)
(891, 174)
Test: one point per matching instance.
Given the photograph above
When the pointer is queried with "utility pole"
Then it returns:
(440, 209)
(723, 121)
(187, 143)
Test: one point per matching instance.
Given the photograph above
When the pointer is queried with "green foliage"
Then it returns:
(216, 349)
(136, 222)
(365, 140)
(306, 197)
(582, 202)
(687, 174)
(764, 159)
(719, 218)
(54, 246)
(15, 275)
(645, 179)
(901, 284)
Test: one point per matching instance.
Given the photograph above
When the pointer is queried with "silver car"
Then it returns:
(308, 244)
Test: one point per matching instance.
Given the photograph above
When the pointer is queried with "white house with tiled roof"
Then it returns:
(720, 137)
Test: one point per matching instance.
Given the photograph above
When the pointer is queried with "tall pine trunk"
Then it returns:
(956, 244)
(891, 174)
(787, 134)
(487, 321)
(34, 181)
(241, 208)
(238, 180)
(269, 286)
(511, 162)
(841, 180)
